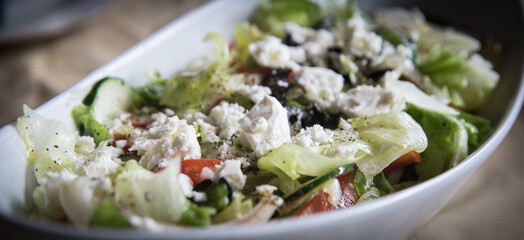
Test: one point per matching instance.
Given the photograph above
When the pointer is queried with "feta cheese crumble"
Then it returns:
(227, 116)
(167, 138)
(368, 101)
(266, 126)
(273, 53)
(321, 85)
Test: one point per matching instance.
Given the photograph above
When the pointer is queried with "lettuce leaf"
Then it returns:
(447, 142)
(50, 144)
(145, 193)
(245, 34)
(202, 89)
(270, 15)
(445, 68)
(388, 136)
(149, 94)
(478, 129)
(468, 82)
(381, 139)
(238, 207)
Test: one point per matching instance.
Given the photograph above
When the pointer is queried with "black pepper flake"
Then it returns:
(56, 146)
(47, 149)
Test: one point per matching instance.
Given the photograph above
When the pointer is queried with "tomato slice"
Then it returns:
(406, 159)
(319, 203)
(349, 194)
(193, 168)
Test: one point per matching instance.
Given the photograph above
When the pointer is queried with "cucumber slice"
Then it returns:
(109, 96)
(312, 184)
(305, 192)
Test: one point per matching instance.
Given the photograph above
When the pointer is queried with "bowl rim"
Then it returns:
(273, 227)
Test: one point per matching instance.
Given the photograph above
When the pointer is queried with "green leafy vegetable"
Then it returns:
(149, 94)
(445, 68)
(271, 14)
(388, 137)
(238, 207)
(478, 129)
(138, 190)
(380, 184)
(392, 36)
(447, 142)
(245, 34)
(291, 161)
(107, 215)
(202, 89)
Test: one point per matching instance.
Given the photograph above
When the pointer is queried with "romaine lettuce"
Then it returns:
(145, 193)
(447, 142)
(271, 14)
(202, 89)
(381, 139)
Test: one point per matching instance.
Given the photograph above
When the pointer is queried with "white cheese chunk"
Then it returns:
(321, 85)
(266, 126)
(368, 100)
(232, 173)
(361, 41)
(313, 136)
(186, 184)
(272, 53)
(104, 161)
(227, 116)
(85, 145)
(167, 138)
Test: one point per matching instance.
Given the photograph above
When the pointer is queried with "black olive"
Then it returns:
(299, 117)
(335, 49)
(376, 75)
(202, 185)
(325, 119)
(277, 81)
(288, 40)
(333, 58)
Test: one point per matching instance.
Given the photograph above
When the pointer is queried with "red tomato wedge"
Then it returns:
(320, 202)
(348, 196)
(406, 159)
(193, 168)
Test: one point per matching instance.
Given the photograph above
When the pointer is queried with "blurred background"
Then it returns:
(48, 45)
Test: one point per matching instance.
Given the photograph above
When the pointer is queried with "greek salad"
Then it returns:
(308, 109)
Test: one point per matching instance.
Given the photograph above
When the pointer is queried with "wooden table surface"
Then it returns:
(490, 206)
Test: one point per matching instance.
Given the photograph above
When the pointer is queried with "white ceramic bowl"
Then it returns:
(396, 216)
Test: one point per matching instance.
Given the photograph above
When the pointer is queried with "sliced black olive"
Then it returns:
(325, 119)
(335, 49)
(376, 75)
(277, 81)
(202, 185)
(288, 40)
(299, 117)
